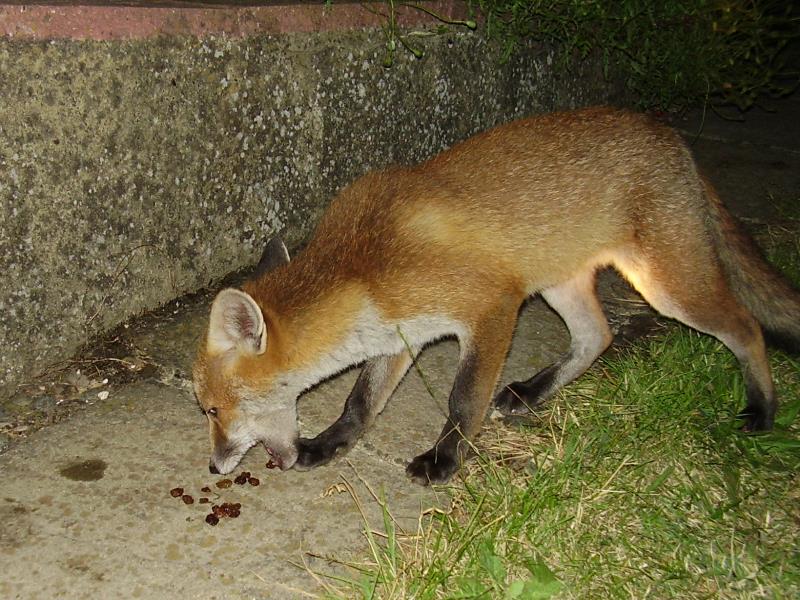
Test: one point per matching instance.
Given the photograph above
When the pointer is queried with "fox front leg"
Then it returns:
(482, 359)
(367, 399)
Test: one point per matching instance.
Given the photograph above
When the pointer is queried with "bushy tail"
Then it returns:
(758, 286)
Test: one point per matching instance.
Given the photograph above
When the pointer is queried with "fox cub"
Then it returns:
(452, 247)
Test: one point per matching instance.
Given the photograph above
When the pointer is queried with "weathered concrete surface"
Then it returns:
(134, 171)
(124, 536)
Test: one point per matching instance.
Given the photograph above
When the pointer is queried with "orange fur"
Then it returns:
(455, 245)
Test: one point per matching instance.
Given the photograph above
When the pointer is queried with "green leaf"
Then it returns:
(542, 584)
(659, 481)
(492, 564)
(515, 590)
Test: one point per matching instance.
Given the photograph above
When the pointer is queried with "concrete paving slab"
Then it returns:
(119, 533)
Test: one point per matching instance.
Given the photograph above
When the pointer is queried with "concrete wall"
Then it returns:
(133, 171)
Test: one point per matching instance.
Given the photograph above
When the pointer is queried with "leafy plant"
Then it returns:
(673, 54)
(396, 38)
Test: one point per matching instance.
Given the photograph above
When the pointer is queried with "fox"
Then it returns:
(452, 247)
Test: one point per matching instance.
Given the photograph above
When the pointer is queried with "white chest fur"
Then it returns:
(372, 335)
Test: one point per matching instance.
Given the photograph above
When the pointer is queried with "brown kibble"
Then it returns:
(271, 465)
(176, 492)
(224, 484)
(226, 509)
(241, 479)
(204, 500)
(254, 481)
(187, 499)
(212, 519)
(205, 489)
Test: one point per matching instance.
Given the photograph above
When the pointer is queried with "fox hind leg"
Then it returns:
(705, 302)
(577, 304)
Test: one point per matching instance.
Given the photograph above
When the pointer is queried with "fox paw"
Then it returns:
(756, 419)
(313, 453)
(520, 397)
(513, 400)
(432, 467)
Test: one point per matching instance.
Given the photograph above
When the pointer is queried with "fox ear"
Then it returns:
(236, 322)
(274, 256)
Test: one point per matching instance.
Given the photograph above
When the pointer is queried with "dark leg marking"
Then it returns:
(482, 359)
(341, 434)
(368, 397)
(576, 303)
(439, 463)
(520, 397)
(759, 414)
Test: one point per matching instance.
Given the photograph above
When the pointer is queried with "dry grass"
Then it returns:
(633, 483)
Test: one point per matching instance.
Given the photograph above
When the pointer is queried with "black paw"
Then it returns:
(520, 397)
(432, 467)
(756, 419)
(513, 400)
(314, 453)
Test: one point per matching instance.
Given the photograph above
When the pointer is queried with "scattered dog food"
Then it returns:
(230, 510)
(226, 509)
(271, 464)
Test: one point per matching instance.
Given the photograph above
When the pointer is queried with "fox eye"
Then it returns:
(212, 411)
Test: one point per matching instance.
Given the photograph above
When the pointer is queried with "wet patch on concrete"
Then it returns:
(85, 470)
(15, 517)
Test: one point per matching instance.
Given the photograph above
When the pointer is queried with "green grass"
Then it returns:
(781, 244)
(634, 483)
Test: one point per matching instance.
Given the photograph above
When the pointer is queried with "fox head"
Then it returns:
(237, 379)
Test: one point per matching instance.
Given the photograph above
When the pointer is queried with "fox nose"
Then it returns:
(213, 469)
